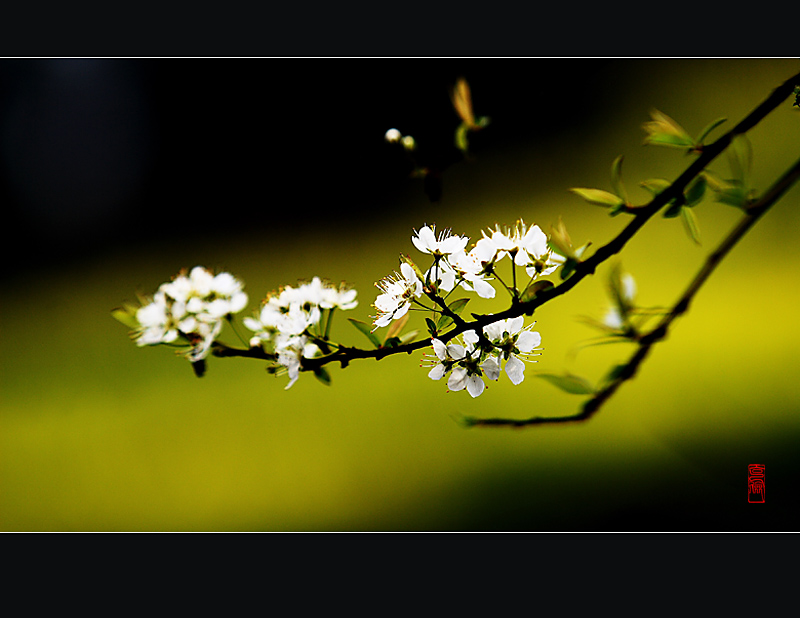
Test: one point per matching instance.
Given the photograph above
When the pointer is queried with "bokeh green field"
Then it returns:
(98, 434)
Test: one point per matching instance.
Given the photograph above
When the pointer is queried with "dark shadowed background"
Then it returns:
(115, 174)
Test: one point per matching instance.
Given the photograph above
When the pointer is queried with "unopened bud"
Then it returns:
(392, 136)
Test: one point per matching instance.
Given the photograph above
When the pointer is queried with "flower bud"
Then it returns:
(392, 136)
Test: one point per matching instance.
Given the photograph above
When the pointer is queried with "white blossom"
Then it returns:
(446, 355)
(512, 340)
(463, 362)
(293, 310)
(462, 378)
(397, 292)
(426, 241)
(190, 306)
(290, 350)
(471, 268)
(527, 246)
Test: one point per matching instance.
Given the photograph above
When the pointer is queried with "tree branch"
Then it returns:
(628, 371)
(641, 215)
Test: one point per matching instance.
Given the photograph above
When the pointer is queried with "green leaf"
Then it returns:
(364, 328)
(616, 210)
(568, 268)
(655, 185)
(457, 306)
(444, 322)
(710, 127)
(664, 131)
(569, 383)
(734, 194)
(696, 191)
(673, 211)
(616, 372)
(460, 139)
(690, 224)
(409, 337)
(581, 250)
(322, 375)
(671, 141)
(599, 197)
(740, 157)
(391, 342)
(126, 315)
(431, 327)
(535, 288)
(616, 179)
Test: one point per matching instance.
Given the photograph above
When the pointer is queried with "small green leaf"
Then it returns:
(599, 197)
(696, 191)
(673, 211)
(126, 315)
(535, 288)
(655, 185)
(569, 383)
(391, 342)
(431, 327)
(409, 337)
(733, 193)
(568, 268)
(616, 179)
(582, 249)
(740, 157)
(460, 139)
(690, 224)
(710, 127)
(616, 372)
(322, 375)
(364, 328)
(671, 141)
(444, 322)
(457, 306)
(664, 131)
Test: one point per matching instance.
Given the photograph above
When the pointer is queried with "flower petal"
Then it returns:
(475, 385)
(515, 369)
(528, 341)
(491, 368)
(458, 379)
(439, 349)
(437, 373)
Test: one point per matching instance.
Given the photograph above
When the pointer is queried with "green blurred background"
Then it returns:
(116, 174)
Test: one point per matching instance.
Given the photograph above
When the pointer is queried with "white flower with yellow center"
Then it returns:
(512, 340)
(426, 241)
(397, 293)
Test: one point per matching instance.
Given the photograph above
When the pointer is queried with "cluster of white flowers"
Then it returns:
(191, 307)
(453, 265)
(525, 246)
(501, 344)
(294, 323)
(284, 322)
(505, 341)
